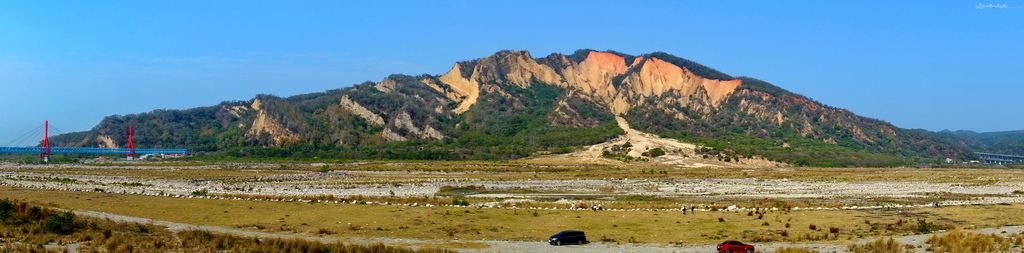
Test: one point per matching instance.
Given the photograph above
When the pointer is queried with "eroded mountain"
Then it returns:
(512, 105)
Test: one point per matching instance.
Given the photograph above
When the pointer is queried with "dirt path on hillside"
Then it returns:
(681, 154)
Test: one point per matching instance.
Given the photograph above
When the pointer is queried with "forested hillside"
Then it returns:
(1006, 142)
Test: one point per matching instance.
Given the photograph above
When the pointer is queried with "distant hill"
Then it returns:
(511, 105)
(1006, 142)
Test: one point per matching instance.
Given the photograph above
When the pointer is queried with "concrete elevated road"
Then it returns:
(999, 158)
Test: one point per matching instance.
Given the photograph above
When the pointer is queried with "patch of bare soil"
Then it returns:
(676, 152)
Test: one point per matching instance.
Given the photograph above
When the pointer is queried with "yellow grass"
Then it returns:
(27, 228)
(348, 220)
(882, 245)
(794, 250)
(960, 241)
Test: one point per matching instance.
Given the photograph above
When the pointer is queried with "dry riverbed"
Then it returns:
(838, 187)
(512, 207)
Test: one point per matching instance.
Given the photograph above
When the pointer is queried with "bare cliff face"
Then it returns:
(266, 124)
(661, 90)
(593, 78)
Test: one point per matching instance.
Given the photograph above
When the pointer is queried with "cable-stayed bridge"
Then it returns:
(45, 150)
(60, 150)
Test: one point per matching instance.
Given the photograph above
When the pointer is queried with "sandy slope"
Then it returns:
(678, 153)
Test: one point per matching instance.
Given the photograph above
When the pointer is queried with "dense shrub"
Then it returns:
(6, 209)
(62, 223)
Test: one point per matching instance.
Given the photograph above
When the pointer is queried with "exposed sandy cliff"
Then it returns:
(592, 78)
(265, 123)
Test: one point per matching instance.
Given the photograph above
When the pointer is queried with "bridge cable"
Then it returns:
(27, 139)
(54, 131)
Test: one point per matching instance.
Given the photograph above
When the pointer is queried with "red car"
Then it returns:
(731, 246)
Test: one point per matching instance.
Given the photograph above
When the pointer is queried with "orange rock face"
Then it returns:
(657, 77)
(593, 78)
(719, 90)
(594, 75)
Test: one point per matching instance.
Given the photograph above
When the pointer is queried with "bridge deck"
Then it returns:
(41, 150)
(999, 158)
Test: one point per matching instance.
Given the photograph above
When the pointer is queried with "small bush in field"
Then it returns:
(62, 223)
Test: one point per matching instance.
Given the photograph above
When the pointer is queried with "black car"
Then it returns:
(568, 237)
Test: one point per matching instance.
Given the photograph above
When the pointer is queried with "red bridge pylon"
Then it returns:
(46, 142)
(131, 142)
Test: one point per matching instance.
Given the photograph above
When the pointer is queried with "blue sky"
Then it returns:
(918, 64)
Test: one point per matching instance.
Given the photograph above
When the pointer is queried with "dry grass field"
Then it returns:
(31, 228)
(529, 202)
